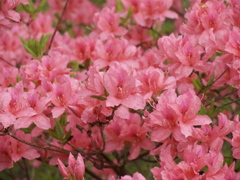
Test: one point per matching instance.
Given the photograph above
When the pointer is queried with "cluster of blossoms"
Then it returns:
(134, 89)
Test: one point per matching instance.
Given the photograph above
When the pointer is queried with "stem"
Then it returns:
(93, 174)
(26, 169)
(56, 28)
(37, 146)
(218, 99)
(102, 135)
(7, 62)
(157, 33)
(213, 81)
(229, 103)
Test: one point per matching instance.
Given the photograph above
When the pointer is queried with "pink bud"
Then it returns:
(71, 164)
(63, 170)
(79, 167)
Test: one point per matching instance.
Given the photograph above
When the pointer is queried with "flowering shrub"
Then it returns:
(120, 89)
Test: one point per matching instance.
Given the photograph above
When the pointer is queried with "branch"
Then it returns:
(93, 174)
(7, 62)
(37, 146)
(213, 81)
(56, 28)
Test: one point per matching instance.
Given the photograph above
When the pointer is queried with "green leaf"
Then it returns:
(129, 15)
(27, 48)
(105, 92)
(44, 40)
(41, 6)
(29, 8)
(168, 27)
(211, 110)
(203, 110)
(18, 79)
(98, 2)
(119, 6)
(101, 98)
(63, 120)
(211, 80)
(68, 135)
(29, 129)
(35, 47)
(197, 83)
(74, 65)
(58, 129)
(53, 134)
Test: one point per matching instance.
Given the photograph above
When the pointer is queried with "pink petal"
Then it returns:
(112, 101)
(15, 157)
(134, 101)
(147, 144)
(28, 111)
(13, 15)
(63, 170)
(171, 14)
(122, 112)
(79, 167)
(31, 154)
(134, 152)
(160, 134)
(57, 111)
(71, 164)
(138, 176)
(7, 119)
(113, 145)
(23, 122)
(200, 120)
(186, 130)
(41, 121)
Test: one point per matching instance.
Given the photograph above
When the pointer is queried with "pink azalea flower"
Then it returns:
(146, 12)
(35, 112)
(236, 139)
(108, 23)
(6, 161)
(122, 88)
(233, 44)
(82, 49)
(7, 12)
(154, 81)
(6, 118)
(112, 50)
(204, 16)
(135, 133)
(113, 131)
(176, 115)
(20, 149)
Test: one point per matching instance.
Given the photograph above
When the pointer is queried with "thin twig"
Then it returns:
(103, 139)
(26, 169)
(156, 32)
(93, 174)
(40, 147)
(213, 81)
(218, 99)
(7, 62)
(229, 103)
(56, 28)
